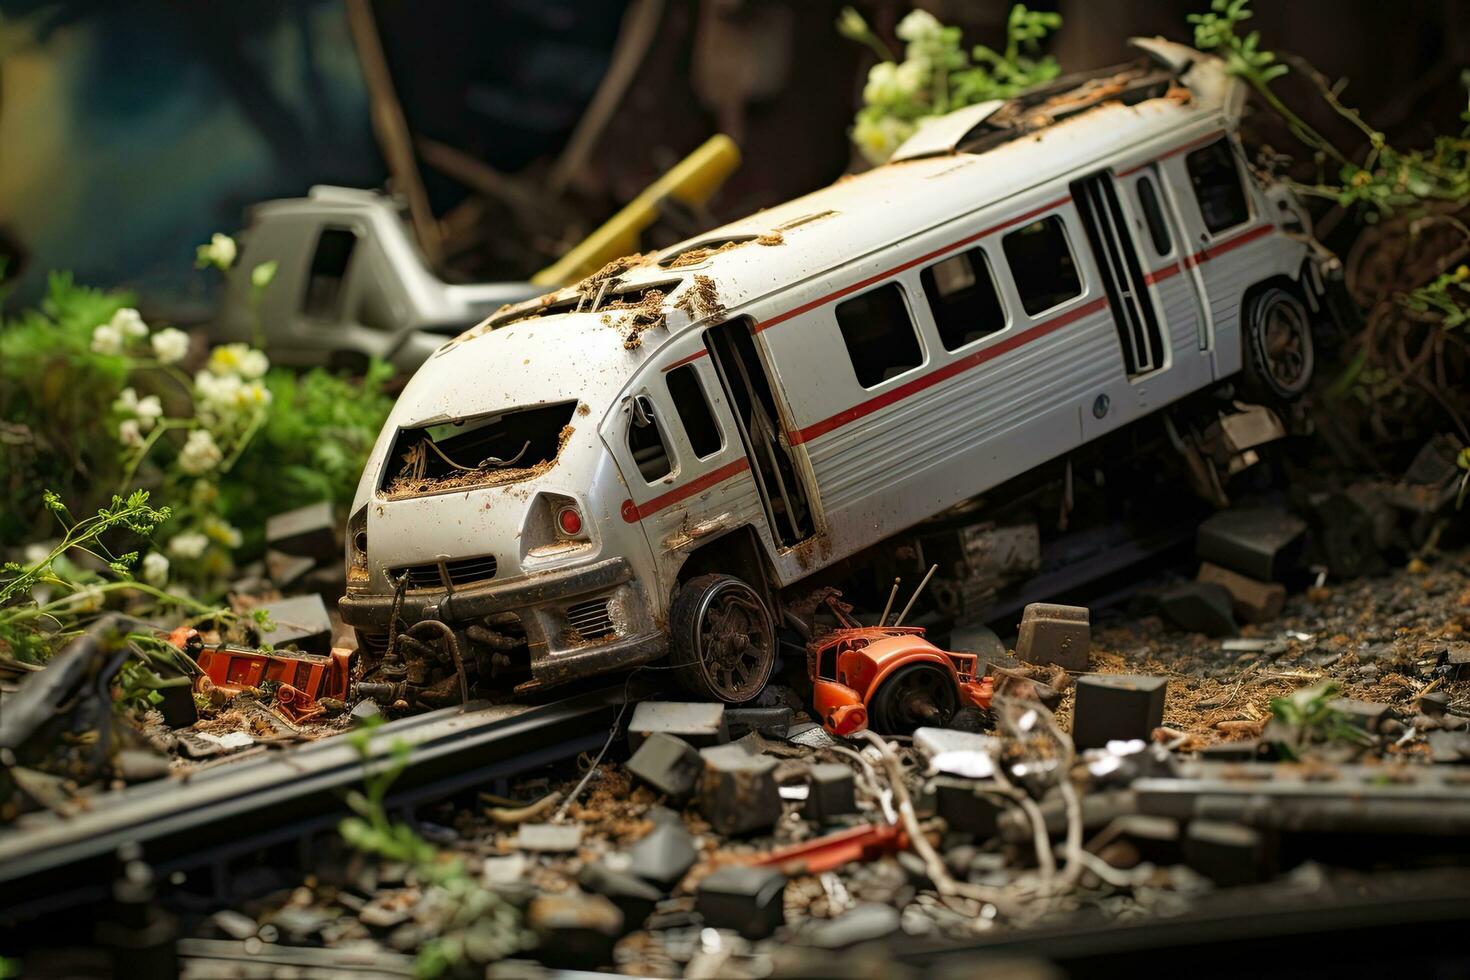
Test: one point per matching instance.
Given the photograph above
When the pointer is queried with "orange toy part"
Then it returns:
(311, 675)
(847, 668)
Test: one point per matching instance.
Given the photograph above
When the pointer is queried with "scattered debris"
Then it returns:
(748, 900)
(1117, 707)
(700, 724)
(1251, 600)
(1260, 542)
(668, 764)
(1052, 634)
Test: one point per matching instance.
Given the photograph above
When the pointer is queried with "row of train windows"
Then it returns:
(881, 338)
(882, 341)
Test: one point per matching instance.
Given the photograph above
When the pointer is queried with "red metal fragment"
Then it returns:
(835, 850)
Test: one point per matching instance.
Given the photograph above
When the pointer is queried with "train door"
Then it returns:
(1162, 243)
(1151, 350)
(749, 393)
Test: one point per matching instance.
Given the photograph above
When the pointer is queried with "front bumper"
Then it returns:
(543, 601)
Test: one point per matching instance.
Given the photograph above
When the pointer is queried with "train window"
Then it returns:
(693, 409)
(1041, 263)
(646, 441)
(961, 292)
(1153, 216)
(879, 334)
(323, 298)
(1217, 186)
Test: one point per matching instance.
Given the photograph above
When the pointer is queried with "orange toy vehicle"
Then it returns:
(889, 679)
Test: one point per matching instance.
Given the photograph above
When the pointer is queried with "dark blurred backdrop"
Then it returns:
(129, 131)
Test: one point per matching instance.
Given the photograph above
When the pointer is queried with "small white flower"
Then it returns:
(241, 359)
(129, 324)
(221, 531)
(882, 85)
(911, 76)
(253, 395)
(130, 433)
(107, 340)
(190, 544)
(149, 410)
(170, 345)
(200, 453)
(126, 401)
(36, 552)
(220, 252)
(919, 25)
(253, 364)
(155, 569)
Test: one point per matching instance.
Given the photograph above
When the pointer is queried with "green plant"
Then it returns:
(1312, 720)
(44, 600)
(314, 444)
(937, 75)
(1387, 180)
(474, 925)
(53, 390)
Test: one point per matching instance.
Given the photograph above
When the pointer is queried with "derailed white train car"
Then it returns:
(641, 465)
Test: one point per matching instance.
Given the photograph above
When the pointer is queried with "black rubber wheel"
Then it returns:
(723, 639)
(1277, 337)
(916, 696)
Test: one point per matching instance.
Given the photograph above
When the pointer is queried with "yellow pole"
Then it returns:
(691, 181)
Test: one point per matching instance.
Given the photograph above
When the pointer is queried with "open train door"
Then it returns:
(749, 393)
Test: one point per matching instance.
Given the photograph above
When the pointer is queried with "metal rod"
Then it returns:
(913, 598)
(888, 606)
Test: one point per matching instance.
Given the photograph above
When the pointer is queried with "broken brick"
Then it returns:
(308, 532)
(699, 723)
(1055, 634)
(965, 811)
(1198, 607)
(749, 900)
(830, 792)
(633, 896)
(668, 764)
(549, 837)
(284, 569)
(1117, 706)
(1263, 543)
(1226, 853)
(577, 931)
(663, 855)
(770, 722)
(301, 622)
(1252, 600)
(738, 792)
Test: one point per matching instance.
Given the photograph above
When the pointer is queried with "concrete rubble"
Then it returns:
(1124, 758)
(705, 856)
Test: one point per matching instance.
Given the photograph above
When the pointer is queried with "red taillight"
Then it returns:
(569, 521)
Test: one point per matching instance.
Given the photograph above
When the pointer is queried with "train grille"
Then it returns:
(465, 571)
(590, 619)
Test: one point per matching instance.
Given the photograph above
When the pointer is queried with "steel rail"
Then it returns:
(50, 862)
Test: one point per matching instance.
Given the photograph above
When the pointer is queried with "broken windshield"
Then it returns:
(478, 451)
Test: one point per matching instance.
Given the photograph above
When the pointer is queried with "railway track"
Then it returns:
(50, 863)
